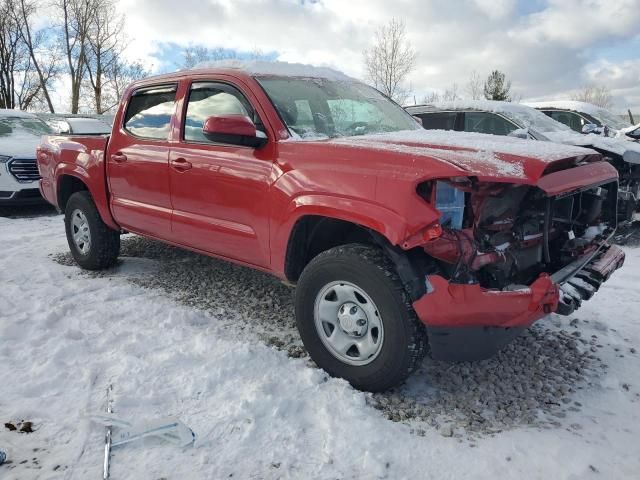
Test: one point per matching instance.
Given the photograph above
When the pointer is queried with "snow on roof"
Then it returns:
(603, 115)
(5, 112)
(523, 115)
(566, 105)
(283, 69)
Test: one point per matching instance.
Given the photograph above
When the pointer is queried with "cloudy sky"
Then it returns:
(547, 47)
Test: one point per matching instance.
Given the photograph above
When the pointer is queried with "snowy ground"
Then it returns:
(260, 413)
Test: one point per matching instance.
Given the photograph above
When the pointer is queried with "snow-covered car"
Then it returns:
(19, 136)
(517, 120)
(78, 125)
(585, 117)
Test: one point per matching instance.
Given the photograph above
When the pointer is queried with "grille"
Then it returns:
(24, 170)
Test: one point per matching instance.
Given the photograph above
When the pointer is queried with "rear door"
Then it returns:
(138, 162)
(219, 191)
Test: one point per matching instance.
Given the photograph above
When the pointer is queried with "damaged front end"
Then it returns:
(509, 254)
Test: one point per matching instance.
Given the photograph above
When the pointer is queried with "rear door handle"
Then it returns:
(180, 164)
(119, 157)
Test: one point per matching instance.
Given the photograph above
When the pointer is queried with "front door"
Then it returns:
(219, 191)
(138, 163)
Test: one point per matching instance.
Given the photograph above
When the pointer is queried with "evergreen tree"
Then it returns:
(497, 87)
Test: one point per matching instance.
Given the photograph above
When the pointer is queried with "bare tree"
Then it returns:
(77, 17)
(390, 60)
(449, 95)
(104, 49)
(44, 63)
(475, 86)
(11, 51)
(598, 95)
(119, 75)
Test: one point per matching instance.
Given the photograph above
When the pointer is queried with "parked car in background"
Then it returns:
(77, 124)
(584, 117)
(20, 134)
(512, 119)
(321, 180)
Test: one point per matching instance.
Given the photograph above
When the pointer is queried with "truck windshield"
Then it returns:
(316, 108)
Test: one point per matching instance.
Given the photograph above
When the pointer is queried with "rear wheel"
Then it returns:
(356, 320)
(93, 244)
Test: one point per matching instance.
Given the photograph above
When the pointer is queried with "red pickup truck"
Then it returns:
(397, 238)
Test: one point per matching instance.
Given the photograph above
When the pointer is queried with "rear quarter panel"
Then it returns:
(81, 157)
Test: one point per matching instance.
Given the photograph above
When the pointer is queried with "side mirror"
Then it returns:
(519, 133)
(635, 134)
(418, 119)
(233, 129)
(591, 128)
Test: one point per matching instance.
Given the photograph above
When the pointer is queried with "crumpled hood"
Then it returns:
(488, 157)
(629, 151)
(19, 144)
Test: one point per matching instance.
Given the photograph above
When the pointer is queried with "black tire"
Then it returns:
(105, 242)
(404, 343)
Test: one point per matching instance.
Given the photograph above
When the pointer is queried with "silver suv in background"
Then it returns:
(584, 117)
(517, 120)
(19, 136)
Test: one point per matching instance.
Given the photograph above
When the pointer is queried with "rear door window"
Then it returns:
(570, 119)
(149, 112)
(486, 122)
(438, 120)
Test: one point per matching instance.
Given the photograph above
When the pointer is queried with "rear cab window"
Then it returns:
(149, 112)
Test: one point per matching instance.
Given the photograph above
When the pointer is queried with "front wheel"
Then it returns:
(356, 320)
(93, 244)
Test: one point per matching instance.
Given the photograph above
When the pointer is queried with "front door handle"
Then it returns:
(119, 157)
(180, 164)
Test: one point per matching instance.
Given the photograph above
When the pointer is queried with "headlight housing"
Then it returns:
(3, 161)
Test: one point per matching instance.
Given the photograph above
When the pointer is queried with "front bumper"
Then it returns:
(452, 311)
(27, 196)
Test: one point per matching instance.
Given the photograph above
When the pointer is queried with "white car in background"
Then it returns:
(587, 118)
(518, 120)
(20, 134)
(77, 124)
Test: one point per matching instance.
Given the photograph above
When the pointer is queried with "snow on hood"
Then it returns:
(629, 151)
(284, 69)
(476, 153)
(20, 144)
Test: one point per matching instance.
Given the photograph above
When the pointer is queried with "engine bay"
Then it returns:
(510, 234)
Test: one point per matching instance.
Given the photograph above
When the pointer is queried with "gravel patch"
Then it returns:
(529, 383)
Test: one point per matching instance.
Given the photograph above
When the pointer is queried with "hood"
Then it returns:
(488, 157)
(629, 151)
(20, 144)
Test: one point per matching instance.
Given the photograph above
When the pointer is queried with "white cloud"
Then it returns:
(547, 52)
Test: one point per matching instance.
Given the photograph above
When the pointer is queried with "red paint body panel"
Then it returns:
(242, 204)
(567, 180)
(473, 306)
(230, 125)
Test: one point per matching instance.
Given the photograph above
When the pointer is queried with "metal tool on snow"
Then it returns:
(107, 446)
(169, 429)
